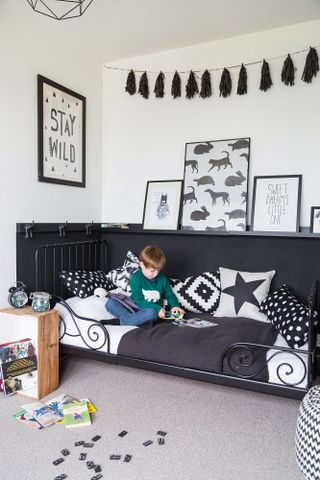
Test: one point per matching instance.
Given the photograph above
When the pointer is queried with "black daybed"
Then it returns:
(249, 359)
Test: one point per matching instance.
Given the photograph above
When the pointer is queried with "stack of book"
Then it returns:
(61, 409)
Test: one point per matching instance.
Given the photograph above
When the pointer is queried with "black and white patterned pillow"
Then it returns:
(82, 283)
(242, 293)
(120, 276)
(199, 293)
(289, 317)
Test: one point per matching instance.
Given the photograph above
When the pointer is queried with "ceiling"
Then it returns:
(118, 29)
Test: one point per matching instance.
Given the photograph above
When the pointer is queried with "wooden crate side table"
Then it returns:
(43, 329)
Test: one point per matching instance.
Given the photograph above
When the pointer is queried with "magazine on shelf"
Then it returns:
(76, 414)
(19, 366)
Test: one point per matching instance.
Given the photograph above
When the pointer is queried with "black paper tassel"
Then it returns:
(131, 83)
(225, 83)
(144, 85)
(265, 81)
(287, 73)
(192, 86)
(159, 86)
(311, 67)
(242, 81)
(206, 90)
(176, 86)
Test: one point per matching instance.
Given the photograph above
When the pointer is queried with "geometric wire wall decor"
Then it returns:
(60, 9)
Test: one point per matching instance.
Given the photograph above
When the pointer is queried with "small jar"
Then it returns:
(40, 301)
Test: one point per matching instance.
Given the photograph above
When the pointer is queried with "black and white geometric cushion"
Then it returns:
(120, 276)
(82, 283)
(288, 316)
(307, 444)
(198, 294)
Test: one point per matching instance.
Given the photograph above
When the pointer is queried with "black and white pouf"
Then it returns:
(308, 435)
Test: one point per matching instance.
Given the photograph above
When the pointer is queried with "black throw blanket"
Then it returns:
(202, 348)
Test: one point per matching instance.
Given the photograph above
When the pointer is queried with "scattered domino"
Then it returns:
(88, 445)
(61, 477)
(78, 444)
(127, 458)
(147, 443)
(58, 461)
(90, 464)
(123, 433)
(96, 438)
(161, 441)
(82, 456)
(97, 468)
(97, 477)
(65, 452)
(162, 433)
(115, 457)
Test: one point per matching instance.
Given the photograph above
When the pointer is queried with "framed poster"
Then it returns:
(61, 134)
(216, 185)
(315, 220)
(162, 204)
(276, 203)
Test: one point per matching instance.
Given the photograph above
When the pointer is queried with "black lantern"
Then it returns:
(60, 9)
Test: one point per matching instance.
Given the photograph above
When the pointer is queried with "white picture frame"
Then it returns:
(315, 219)
(276, 203)
(162, 205)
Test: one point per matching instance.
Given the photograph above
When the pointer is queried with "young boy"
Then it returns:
(149, 288)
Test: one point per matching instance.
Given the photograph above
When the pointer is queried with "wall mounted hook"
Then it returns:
(28, 229)
(62, 229)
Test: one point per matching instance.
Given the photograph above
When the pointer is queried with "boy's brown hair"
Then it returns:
(152, 257)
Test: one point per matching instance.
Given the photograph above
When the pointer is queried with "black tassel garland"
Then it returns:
(206, 90)
(265, 81)
(144, 85)
(242, 81)
(287, 73)
(176, 86)
(225, 83)
(159, 86)
(311, 67)
(131, 83)
(192, 86)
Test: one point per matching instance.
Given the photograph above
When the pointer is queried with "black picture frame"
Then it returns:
(61, 134)
(314, 216)
(162, 205)
(272, 197)
(215, 196)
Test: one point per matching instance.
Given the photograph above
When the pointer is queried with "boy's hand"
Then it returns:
(177, 310)
(162, 313)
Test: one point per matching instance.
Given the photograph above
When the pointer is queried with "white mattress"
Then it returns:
(289, 367)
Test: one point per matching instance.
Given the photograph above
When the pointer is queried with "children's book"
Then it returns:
(76, 414)
(44, 414)
(28, 419)
(56, 403)
(194, 323)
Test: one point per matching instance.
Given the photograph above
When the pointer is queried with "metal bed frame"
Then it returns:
(50, 259)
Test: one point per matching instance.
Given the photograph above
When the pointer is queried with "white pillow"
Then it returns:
(242, 293)
(91, 307)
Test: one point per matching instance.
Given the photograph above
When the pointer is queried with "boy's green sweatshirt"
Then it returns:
(151, 293)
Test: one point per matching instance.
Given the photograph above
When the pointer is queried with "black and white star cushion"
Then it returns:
(242, 293)
(288, 316)
(199, 293)
(120, 276)
(82, 283)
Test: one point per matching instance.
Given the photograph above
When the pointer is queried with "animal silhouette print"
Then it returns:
(215, 195)
(206, 180)
(221, 228)
(190, 196)
(244, 195)
(234, 214)
(220, 162)
(241, 225)
(241, 143)
(163, 210)
(233, 180)
(193, 164)
(202, 148)
(245, 155)
(198, 215)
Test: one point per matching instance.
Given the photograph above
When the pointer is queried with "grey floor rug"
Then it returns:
(214, 432)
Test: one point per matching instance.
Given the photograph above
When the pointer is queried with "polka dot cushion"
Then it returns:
(82, 283)
(288, 316)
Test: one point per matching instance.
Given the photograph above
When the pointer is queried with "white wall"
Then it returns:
(30, 44)
(144, 139)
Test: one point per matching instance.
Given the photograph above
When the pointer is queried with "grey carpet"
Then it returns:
(214, 432)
